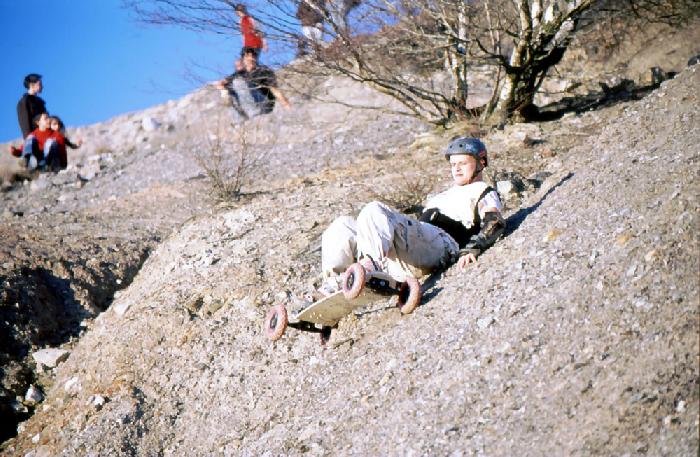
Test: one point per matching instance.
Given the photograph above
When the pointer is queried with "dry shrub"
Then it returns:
(228, 163)
(406, 192)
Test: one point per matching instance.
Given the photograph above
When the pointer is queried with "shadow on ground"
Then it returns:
(624, 91)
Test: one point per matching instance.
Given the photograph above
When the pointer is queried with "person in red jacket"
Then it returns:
(252, 38)
(41, 148)
(59, 130)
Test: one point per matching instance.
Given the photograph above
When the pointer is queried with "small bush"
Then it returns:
(228, 164)
(407, 192)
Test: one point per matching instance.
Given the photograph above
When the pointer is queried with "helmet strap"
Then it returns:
(476, 171)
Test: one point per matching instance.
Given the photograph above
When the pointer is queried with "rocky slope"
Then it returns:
(575, 335)
(71, 240)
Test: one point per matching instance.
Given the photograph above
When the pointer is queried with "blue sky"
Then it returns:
(97, 61)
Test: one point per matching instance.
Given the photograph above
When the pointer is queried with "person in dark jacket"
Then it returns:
(311, 15)
(30, 105)
(258, 81)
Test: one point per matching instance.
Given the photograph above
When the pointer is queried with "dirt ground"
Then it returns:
(575, 335)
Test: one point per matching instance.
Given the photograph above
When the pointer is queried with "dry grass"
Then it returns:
(407, 190)
(228, 163)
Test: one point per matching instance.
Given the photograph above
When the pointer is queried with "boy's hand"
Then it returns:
(465, 260)
(16, 152)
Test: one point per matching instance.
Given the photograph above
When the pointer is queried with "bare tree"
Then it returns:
(421, 52)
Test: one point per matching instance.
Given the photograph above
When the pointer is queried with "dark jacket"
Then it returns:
(311, 15)
(259, 82)
(27, 108)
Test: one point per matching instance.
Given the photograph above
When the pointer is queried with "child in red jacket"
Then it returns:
(59, 130)
(252, 38)
(41, 148)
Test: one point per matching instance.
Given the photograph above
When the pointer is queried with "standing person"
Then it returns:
(252, 38)
(311, 15)
(59, 129)
(457, 225)
(30, 105)
(339, 10)
(257, 82)
(41, 148)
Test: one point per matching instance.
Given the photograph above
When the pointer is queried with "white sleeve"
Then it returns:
(489, 201)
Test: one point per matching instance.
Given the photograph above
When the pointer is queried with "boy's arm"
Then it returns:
(222, 83)
(72, 145)
(280, 96)
(23, 117)
(492, 228)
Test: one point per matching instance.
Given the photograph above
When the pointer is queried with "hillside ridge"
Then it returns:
(575, 335)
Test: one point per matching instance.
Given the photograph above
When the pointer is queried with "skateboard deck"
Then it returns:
(330, 310)
(360, 288)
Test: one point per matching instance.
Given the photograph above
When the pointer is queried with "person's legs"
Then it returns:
(32, 155)
(246, 101)
(339, 245)
(339, 11)
(302, 42)
(338, 252)
(51, 152)
(313, 37)
(385, 234)
(314, 34)
(237, 112)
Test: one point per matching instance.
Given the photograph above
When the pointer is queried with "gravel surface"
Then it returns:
(575, 335)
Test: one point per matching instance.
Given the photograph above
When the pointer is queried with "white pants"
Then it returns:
(313, 34)
(338, 10)
(404, 245)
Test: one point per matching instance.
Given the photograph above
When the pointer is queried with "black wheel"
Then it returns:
(325, 334)
(276, 322)
(354, 281)
(409, 295)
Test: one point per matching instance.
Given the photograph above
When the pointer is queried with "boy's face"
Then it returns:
(462, 167)
(44, 122)
(36, 87)
(249, 61)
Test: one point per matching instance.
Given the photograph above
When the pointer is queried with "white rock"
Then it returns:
(33, 395)
(50, 357)
(681, 406)
(484, 322)
(122, 307)
(98, 401)
(39, 184)
(505, 188)
(149, 124)
(71, 384)
(88, 172)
